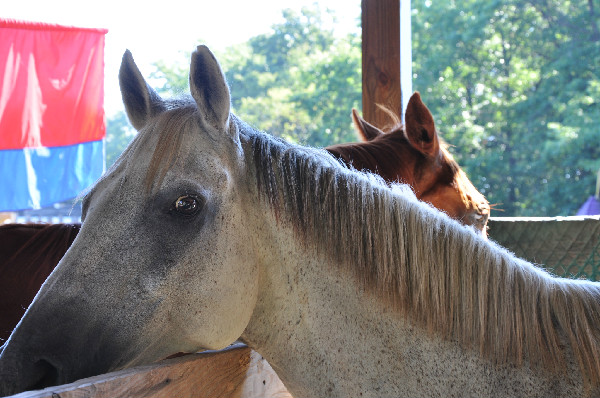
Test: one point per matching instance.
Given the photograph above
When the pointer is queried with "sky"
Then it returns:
(153, 30)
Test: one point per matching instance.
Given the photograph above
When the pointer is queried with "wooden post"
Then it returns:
(380, 59)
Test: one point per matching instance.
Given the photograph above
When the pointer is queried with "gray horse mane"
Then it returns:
(428, 267)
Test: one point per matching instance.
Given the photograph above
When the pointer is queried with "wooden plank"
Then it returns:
(380, 59)
(7, 217)
(262, 381)
(237, 372)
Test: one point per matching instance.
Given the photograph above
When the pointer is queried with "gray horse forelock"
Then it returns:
(429, 268)
(181, 115)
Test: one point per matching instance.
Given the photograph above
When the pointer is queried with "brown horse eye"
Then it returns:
(187, 205)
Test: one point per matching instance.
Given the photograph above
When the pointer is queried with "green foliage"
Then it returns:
(171, 78)
(514, 86)
(298, 81)
(118, 135)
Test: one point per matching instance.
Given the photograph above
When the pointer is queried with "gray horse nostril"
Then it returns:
(48, 375)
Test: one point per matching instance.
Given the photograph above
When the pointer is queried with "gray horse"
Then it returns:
(206, 231)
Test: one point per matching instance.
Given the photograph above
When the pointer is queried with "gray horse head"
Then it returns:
(153, 271)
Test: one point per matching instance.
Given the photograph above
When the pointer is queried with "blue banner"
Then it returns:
(33, 178)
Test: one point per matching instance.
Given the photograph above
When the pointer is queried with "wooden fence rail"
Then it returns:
(236, 372)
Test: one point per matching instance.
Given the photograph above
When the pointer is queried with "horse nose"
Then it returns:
(20, 373)
(483, 209)
(484, 212)
(47, 375)
(478, 217)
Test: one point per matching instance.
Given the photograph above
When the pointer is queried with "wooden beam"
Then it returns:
(236, 372)
(380, 59)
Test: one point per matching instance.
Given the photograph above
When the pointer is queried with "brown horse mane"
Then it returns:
(433, 270)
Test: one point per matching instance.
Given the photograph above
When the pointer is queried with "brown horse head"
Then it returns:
(413, 154)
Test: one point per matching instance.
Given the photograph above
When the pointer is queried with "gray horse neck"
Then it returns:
(305, 302)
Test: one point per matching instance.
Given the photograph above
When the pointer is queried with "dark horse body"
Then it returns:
(28, 254)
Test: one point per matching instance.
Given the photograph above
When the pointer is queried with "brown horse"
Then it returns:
(28, 253)
(414, 154)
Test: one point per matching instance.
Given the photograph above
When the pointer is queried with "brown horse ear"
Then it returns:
(420, 128)
(366, 131)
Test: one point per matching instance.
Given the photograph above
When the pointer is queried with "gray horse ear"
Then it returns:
(209, 88)
(365, 130)
(140, 100)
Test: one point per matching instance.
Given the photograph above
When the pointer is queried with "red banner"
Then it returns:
(51, 85)
(51, 112)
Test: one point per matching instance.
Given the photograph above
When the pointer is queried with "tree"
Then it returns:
(118, 135)
(506, 81)
(514, 86)
(171, 78)
(298, 81)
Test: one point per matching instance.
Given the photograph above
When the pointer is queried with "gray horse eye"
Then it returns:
(187, 205)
